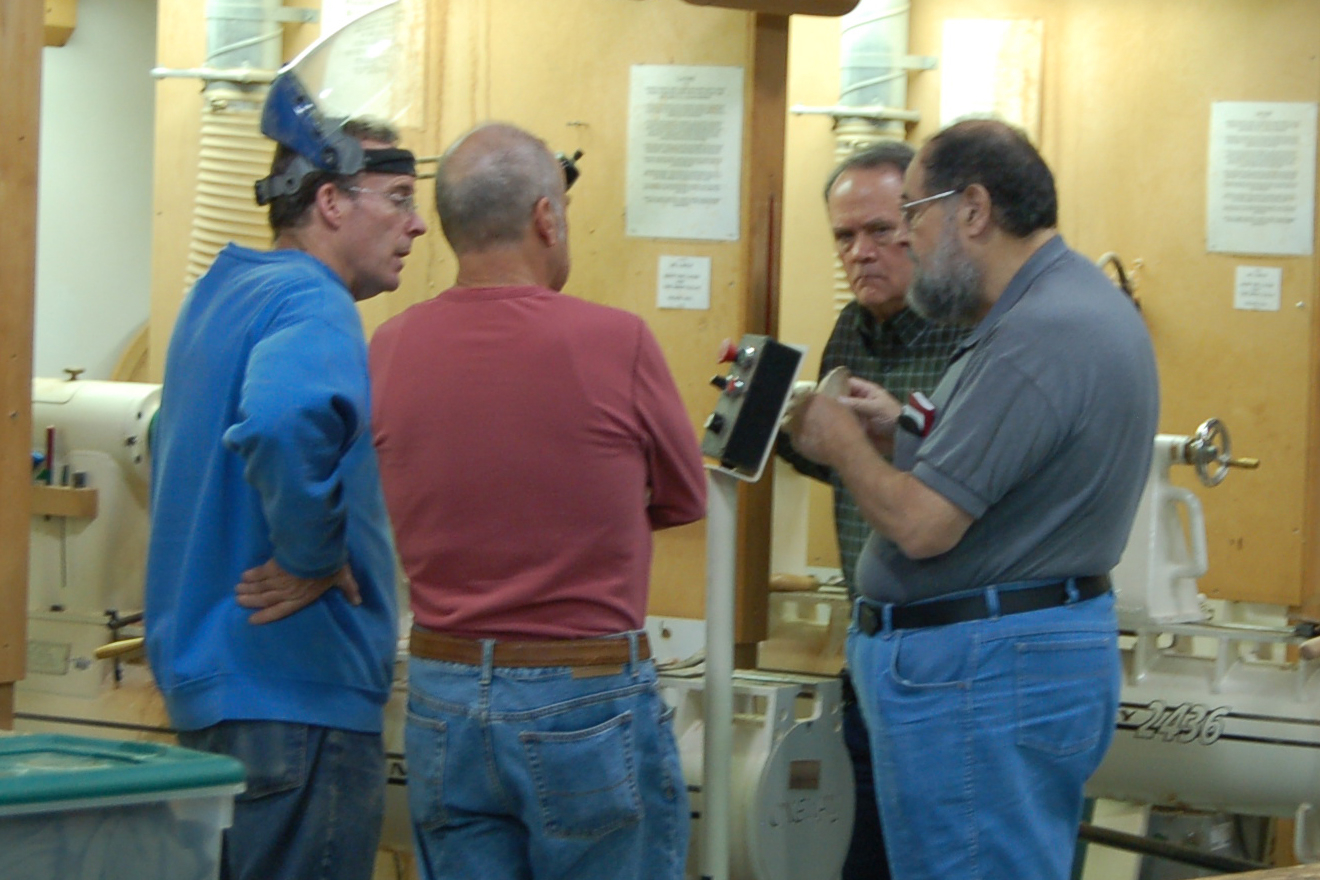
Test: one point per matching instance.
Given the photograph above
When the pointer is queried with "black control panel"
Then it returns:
(741, 431)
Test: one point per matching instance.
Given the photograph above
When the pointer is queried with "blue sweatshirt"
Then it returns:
(262, 448)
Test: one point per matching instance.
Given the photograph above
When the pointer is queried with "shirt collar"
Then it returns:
(1047, 254)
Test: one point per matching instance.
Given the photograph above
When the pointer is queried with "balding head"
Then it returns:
(488, 183)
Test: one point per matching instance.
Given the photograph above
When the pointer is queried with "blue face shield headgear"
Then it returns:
(290, 117)
(356, 71)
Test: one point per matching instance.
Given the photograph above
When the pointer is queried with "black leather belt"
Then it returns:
(942, 612)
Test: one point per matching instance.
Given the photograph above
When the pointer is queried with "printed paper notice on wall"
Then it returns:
(684, 283)
(684, 151)
(1258, 288)
(1261, 188)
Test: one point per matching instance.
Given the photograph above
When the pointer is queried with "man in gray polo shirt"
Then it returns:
(985, 646)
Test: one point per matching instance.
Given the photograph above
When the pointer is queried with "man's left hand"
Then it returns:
(278, 594)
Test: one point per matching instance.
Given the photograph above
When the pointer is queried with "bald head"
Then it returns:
(488, 183)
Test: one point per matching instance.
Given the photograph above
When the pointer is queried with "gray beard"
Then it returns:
(948, 290)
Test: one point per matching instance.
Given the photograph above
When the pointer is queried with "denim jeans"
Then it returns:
(516, 773)
(866, 858)
(983, 734)
(314, 803)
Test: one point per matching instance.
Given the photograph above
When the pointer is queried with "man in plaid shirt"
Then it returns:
(878, 339)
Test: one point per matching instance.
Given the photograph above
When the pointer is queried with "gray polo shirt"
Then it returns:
(1044, 437)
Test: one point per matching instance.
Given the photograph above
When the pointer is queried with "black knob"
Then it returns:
(720, 382)
(715, 423)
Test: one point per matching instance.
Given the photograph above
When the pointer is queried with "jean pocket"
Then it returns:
(927, 659)
(1061, 694)
(586, 780)
(424, 741)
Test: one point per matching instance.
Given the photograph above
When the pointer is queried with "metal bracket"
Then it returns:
(918, 62)
(873, 112)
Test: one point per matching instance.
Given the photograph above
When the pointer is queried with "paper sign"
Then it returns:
(684, 283)
(1258, 288)
(1261, 189)
(684, 151)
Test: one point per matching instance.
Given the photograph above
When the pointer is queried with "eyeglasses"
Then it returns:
(909, 209)
(405, 203)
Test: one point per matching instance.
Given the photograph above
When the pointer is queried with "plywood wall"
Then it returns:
(560, 70)
(20, 102)
(1128, 87)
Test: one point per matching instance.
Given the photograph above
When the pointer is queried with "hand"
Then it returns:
(279, 594)
(819, 425)
(877, 409)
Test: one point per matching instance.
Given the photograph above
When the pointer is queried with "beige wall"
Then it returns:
(1127, 91)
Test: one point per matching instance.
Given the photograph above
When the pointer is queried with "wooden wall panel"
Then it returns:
(21, 39)
(1136, 149)
(180, 44)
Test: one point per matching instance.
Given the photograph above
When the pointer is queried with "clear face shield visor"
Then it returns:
(356, 72)
(359, 71)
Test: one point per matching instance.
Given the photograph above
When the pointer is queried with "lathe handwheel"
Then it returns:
(1211, 446)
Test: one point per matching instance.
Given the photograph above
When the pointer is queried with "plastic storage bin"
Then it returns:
(87, 809)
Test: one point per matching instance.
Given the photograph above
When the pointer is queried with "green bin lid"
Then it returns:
(50, 767)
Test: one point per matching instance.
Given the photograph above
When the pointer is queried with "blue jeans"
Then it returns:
(314, 803)
(866, 859)
(516, 773)
(983, 734)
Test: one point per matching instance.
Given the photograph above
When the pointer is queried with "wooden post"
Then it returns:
(764, 179)
(20, 107)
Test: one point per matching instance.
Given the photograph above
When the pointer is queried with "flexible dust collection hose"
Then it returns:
(233, 155)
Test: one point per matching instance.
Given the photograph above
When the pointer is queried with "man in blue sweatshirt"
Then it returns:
(270, 599)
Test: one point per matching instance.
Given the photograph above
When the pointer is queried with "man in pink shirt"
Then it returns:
(529, 444)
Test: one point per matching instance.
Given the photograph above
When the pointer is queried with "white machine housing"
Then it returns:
(792, 789)
(1214, 715)
(1155, 581)
(81, 569)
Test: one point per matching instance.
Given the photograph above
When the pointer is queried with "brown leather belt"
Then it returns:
(608, 651)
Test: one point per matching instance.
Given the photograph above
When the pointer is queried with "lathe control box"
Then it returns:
(741, 432)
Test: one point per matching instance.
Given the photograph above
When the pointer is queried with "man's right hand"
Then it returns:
(877, 409)
(279, 594)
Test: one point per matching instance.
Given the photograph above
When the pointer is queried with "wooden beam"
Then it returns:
(61, 16)
(763, 177)
(20, 107)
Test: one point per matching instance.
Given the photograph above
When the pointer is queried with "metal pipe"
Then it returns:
(859, 111)
(717, 742)
(1162, 849)
(242, 75)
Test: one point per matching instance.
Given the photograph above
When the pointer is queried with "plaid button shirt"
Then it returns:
(906, 353)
